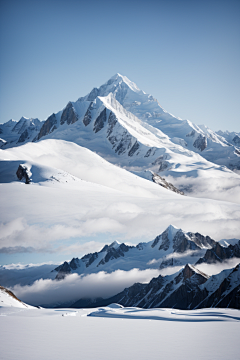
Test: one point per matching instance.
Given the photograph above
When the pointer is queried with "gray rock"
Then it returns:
(88, 116)
(23, 173)
(69, 115)
(157, 179)
(100, 121)
(200, 143)
(47, 126)
(134, 148)
(23, 137)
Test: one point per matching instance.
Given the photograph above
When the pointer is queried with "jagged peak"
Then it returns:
(117, 78)
(23, 118)
(115, 244)
(112, 86)
(172, 230)
(189, 270)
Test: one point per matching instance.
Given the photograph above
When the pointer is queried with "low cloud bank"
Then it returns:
(102, 284)
(213, 269)
(222, 188)
(75, 286)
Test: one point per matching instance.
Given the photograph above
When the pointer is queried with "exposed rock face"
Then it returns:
(162, 161)
(88, 116)
(124, 144)
(110, 251)
(23, 173)
(219, 253)
(64, 270)
(162, 182)
(69, 115)
(23, 137)
(236, 140)
(100, 121)
(112, 121)
(134, 148)
(182, 241)
(48, 126)
(89, 259)
(113, 253)
(164, 241)
(21, 125)
(200, 143)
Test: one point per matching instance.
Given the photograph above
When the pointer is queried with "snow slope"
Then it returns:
(8, 299)
(76, 196)
(119, 333)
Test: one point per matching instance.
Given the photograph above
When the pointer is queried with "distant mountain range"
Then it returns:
(174, 247)
(187, 289)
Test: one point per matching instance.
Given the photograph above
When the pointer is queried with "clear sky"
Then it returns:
(185, 53)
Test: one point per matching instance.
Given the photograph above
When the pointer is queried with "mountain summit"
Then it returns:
(128, 127)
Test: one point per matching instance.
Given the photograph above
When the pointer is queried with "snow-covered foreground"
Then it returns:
(119, 333)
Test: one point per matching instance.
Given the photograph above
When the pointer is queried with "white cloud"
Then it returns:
(74, 286)
(222, 188)
(213, 269)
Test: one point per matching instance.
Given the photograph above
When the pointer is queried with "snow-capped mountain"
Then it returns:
(231, 137)
(128, 127)
(187, 289)
(220, 253)
(174, 247)
(15, 133)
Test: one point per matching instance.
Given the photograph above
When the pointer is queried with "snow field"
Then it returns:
(46, 334)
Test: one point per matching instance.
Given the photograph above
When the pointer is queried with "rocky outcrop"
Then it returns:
(112, 121)
(23, 137)
(63, 270)
(47, 127)
(123, 145)
(218, 253)
(100, 121)
(182, 241)
(69, 115)
(200, 143)
(114, 253)
(23, 173)
(89, 259)
(236, 140)
(157, 179)
(88, 115)
(134, 148)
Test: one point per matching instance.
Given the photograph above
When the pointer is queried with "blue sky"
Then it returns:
(185, 53)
